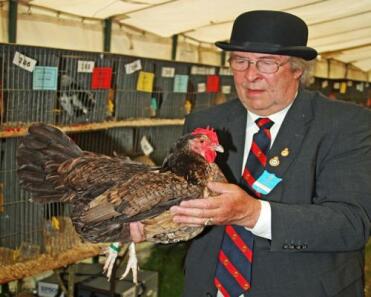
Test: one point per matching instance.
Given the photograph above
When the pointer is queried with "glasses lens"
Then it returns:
(267, 66)
(238, 64)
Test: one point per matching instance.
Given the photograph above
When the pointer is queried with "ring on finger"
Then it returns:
(208, 221)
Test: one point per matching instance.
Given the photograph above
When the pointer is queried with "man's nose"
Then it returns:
(252, 73)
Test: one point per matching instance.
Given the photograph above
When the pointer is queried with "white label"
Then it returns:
(24, 62)
(85, 66)
(202, 70)
(226, 89)
(201, 87)
(167, 72)
(133, 66)
(336, 85)
(146, 146)
(324, 84)
(225, 72)
(47, 289)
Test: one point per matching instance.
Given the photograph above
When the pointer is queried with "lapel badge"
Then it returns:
(274, 162)
(285, 152)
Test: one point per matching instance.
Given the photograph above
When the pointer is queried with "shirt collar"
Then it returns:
(277, 117)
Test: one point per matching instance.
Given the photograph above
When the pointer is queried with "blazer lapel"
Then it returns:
(290, 136)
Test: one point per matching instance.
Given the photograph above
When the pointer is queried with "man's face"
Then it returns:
(265, 93)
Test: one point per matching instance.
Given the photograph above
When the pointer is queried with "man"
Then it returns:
(308, 209)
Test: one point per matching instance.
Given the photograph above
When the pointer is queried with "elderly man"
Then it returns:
(295, 217)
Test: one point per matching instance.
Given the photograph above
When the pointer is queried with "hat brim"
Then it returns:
(305, 52)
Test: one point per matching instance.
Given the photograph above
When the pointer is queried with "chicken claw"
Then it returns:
(132, 264)
(111, 256)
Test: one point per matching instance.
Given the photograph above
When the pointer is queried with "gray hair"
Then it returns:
(306, 68)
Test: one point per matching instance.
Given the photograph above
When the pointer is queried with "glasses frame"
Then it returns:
(256, 62)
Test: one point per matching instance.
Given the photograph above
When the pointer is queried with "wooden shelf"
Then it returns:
(11, 131)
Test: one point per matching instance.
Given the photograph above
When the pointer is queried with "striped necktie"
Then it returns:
(233, 271)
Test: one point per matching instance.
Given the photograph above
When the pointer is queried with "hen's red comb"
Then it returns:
(209, 132)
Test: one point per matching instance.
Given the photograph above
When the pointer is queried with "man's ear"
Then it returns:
(298, 73)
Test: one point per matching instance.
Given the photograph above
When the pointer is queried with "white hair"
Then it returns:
(304, 66)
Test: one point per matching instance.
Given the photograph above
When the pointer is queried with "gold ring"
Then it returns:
(209, 221)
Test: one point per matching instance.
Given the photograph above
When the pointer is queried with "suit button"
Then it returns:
(285, 246)
(299, 247)
(292, 246)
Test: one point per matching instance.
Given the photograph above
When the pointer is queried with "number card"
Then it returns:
(226, 89)
(145, 145)
(181, 83)
(167, 72)
(44, 78)
(201, 88)
(145, 81)
(24, 62)
(85, 66)
(101, 78)
(133, 66)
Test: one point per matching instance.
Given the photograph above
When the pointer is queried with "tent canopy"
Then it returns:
(338, 29)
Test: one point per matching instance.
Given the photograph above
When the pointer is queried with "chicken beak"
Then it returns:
(219, 148)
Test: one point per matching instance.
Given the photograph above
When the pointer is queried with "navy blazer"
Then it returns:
(320, 210)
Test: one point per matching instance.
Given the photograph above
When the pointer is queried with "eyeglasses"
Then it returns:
(262, 65)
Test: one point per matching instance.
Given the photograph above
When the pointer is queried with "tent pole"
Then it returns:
(12, 21)
(174, 47)
(107, 34)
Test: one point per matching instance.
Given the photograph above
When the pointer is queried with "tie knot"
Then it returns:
(264, 123)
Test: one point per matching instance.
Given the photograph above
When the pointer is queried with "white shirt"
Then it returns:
(263, 226)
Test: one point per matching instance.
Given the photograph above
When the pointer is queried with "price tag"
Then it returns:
(167, 72)
(24, 62)
(133, 66)
(85, 66)
(146, 147)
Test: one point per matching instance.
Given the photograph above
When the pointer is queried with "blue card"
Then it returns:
(181, 83)
(45, 78)
(266, 182)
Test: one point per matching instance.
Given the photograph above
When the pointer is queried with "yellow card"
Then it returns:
(145, 81)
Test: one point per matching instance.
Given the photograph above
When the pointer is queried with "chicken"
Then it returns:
(107, 193)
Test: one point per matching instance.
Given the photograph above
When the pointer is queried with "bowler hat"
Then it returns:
(272, 32)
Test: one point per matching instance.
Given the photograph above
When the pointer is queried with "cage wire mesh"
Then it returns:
(27, 229)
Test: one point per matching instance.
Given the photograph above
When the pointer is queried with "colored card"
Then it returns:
(101, 78)
(44, 78)
(145, 81)
(212, 84)
(266, 182)
(226, 89)
(181, 83)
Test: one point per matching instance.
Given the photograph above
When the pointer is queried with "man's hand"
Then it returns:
(232, 206)
(137, 232)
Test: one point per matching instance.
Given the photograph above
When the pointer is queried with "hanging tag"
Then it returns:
(24, 62)
(133, 66)
(167, 72)
(146, 147)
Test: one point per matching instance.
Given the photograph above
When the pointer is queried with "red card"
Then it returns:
(212, 84)
(101, 78)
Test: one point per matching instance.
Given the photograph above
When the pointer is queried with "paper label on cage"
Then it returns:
(225, 72)
(24, 62)
(145, 81)
(146, 147)
(360, 87)
(85, 66)
(199, 70)
(201, 88)
(226, 89)
(181, 83)
(133, 66)
(324, 84)
(44, 78)
(336, 85)
(167, 72)
(45, 289)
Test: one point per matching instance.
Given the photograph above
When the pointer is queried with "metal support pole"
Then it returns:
(107, 34)
(174, 47)
(12, 21)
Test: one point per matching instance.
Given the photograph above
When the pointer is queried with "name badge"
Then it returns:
(266, 182)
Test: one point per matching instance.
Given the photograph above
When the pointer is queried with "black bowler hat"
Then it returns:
(272, 32)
